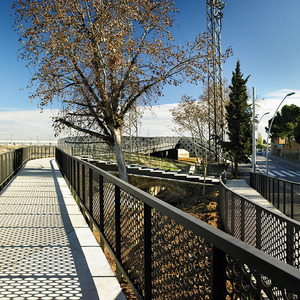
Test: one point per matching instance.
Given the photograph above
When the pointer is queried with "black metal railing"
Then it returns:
(168, 254)
(264, 228)
(283, 194)
(12, 161)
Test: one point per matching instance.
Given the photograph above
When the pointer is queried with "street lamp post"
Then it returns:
(266, 113)
(253, 132)
(267, 153)
(255, 124)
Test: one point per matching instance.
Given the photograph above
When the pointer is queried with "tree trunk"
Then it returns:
(119, 154)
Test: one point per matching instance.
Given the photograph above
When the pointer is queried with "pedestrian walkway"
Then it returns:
(242, 188)
(47, 250)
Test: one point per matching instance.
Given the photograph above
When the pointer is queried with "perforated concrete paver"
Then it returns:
(47, 250)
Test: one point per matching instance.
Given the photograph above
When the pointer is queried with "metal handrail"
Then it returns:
(284, 194)
(263, 228)
(167, 253)
(12, 161)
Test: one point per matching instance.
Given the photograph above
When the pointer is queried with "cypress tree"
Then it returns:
(238, 120)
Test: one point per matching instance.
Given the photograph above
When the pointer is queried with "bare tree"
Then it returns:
(192, 119)
(97, 57)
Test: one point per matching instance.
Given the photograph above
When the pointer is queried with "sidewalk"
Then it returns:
(47, 250)
(241, 187)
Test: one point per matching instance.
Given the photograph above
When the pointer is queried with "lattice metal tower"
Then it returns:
(215, 90)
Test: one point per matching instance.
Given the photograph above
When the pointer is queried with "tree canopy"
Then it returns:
(238, 120)
(99, 57)
(286, 123)
(191, 116)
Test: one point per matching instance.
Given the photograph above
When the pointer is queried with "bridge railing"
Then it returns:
(261, 227)
(283, 194)
(12, 161)
(166, 253)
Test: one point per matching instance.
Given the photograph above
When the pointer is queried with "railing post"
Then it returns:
(269, 188)
(118, 229)
(278, 191)
(284, 208)
(83, 183)
(74, 174)
(273, 188)
(147, 252)
(91, 191)
(219, 274)
(292, 200)
(265, 178)
(78, 181)
(68, 171)
(225, 204)
(71, 172)
(101, 196)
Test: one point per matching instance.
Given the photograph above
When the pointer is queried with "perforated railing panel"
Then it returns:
(132, 239)
(237, 215)
(250, 224)
(244, 282)
(273, 236)
(182, 266)
(230, 217)
(295, 246)
(109, 213)
(96, 198)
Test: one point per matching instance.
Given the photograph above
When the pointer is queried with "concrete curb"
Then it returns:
(88, 250)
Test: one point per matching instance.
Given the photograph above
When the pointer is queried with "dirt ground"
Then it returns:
(205, 208)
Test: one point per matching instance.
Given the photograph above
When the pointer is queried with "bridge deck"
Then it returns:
(47, 250)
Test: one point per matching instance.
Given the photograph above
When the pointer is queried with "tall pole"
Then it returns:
(267, 153)
(215, 91)
(253, 132)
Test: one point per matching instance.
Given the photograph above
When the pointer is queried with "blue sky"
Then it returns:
(264, 35)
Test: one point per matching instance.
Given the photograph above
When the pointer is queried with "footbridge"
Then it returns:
(162, 146)
(161, 251)
(47, 250)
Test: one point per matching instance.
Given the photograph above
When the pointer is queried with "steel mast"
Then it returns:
(215, 90)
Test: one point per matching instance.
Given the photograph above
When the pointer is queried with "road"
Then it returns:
(279, 167)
